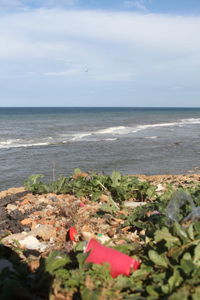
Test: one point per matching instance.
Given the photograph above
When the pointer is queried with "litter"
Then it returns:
(179, 199)
(120, 263)
(72, 233)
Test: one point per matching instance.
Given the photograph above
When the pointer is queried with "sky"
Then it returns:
(100, 53)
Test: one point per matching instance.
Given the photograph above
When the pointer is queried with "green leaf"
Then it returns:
(180, 231)
(157, 259)
(197, 254)
(186, 263)
(190, 231)
(35, 177)
(77, 171)
(151, 291)
(115, 177)
(165, 235)
(175, 280)
(55, 260)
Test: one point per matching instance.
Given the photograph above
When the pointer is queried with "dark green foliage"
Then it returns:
(118, 187)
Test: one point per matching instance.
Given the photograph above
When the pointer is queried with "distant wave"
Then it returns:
(7, 145)
(112, 130)
(79, 136)
(106, 134)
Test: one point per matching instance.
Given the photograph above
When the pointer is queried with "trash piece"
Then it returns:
(103, 238)
(119, 262)
(31, 242)
(159, 188)
(133, 204)
(72, 233)
(81, 204)
(178, 199)
(194, 215)
(86, 235)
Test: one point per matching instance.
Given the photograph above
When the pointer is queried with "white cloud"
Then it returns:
(95, 49)
(137, 4)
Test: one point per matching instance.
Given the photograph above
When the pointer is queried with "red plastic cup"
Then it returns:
(119, 262)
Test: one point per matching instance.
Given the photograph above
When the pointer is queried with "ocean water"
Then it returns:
(130, 140)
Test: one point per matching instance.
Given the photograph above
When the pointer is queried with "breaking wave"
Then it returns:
(107, 134)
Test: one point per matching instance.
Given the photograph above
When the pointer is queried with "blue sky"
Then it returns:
(99, 53)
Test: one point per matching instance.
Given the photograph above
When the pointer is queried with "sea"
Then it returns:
(55, 140)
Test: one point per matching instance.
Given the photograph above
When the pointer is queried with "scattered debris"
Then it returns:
(44, 232)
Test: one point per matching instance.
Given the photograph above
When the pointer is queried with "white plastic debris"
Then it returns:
(31, 242)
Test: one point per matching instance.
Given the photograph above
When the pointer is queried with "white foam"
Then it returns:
(80, 136)
(190, 121)
(111, 139)
(7, 145)
(151, 137)
(112, 130)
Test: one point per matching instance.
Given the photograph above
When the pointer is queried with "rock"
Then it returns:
(46, 232)
(24, 202)
(26, 221)
(31, 242)
(33, 265)
(11, 191)
(133, 204)
(104, 198)
(10, 239)
(11, 207)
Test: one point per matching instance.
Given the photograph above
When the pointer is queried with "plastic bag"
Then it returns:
(179, 199)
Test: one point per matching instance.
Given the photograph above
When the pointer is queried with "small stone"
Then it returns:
(111, 233)
(24, 202)
(104, 198)
(33, 265)
(26, 221)
(11, 207)
(44, 231)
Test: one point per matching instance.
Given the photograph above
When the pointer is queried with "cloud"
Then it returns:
(72, 50)
(138, 5)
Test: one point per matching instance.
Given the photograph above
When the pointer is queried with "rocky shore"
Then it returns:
(39, 224)
(49, 216)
